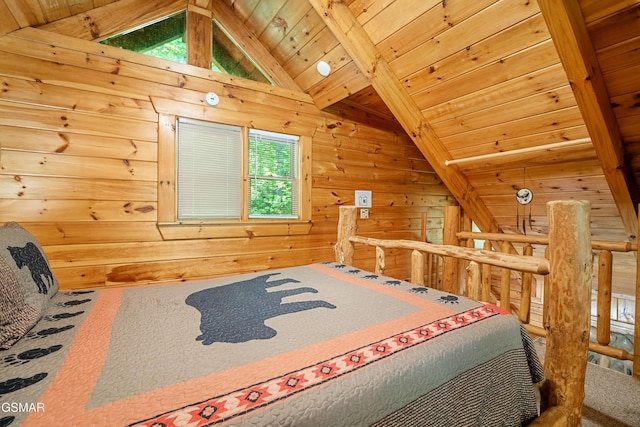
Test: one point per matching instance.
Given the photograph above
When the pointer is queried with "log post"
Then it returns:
(486, 276)
(424, 236)
(473, 282)
(437, 262)
(417, 267)
(450, 279)
(380, 260)
(605, 275)
(466, 224)
(347, 226)
(568, 320)
(546, 290)
(505, 281)
(525, 296)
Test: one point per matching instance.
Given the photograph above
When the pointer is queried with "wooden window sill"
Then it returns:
(224, 230)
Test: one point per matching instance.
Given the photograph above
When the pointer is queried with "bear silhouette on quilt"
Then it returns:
(236, 313)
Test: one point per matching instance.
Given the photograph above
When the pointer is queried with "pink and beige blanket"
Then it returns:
(320, 345)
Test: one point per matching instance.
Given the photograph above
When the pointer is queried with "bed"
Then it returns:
(319, 345)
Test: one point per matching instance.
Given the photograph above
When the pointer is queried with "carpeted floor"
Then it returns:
(612, 399)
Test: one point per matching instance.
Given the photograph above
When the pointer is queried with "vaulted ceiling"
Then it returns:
(497, 94)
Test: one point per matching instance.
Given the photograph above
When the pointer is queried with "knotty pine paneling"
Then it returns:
(32, 92)
(278, 31)
(507, 91)
(339, 59)
(551, 100)
(510, 42)
(569, 117)
(73, 144)
(548, 158)
(56, 164)
(79, 165)
(496, 72)
(440, 17)
(33, 187)
(482, 25)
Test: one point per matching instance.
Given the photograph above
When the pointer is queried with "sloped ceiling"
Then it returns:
(555, 83)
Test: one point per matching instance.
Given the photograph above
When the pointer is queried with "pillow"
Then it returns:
(26, 283)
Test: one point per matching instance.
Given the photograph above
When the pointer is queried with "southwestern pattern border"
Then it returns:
(221, 408)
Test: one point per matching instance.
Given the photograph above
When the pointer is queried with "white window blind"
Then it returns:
(273, 175)
(209, 170)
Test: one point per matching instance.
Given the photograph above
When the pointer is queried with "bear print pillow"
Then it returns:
(26, 283)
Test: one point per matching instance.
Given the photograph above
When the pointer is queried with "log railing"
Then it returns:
(606, 251)
(568, 268)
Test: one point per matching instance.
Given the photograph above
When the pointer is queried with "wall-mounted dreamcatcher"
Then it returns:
(524, 196)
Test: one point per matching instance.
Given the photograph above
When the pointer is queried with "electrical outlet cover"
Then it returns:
(363, 199)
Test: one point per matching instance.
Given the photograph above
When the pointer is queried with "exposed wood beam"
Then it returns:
(250, 44)
(366, 56)
(569, 33)
(199, 37)
(9, 19)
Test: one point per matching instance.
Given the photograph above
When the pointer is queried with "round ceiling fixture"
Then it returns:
(323, 68)
(212, 99)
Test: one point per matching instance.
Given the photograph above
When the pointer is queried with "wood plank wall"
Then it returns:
(79, 166)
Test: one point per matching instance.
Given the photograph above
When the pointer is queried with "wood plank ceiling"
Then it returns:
(463, 78)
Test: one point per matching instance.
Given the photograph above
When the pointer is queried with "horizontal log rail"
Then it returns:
(606, 350)
(512, 262)
(610, 245)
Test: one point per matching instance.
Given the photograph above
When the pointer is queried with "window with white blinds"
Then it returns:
(209, 164)
(212, 167)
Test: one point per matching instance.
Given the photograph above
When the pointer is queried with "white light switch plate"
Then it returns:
(363, 199)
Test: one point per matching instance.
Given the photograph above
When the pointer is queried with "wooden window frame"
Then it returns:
(172, 229)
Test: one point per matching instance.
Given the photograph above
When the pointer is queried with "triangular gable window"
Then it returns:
(167, 39)
(163, 39)
(228, 58)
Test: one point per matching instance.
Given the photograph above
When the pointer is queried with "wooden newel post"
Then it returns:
(570, 285)
(347, 226)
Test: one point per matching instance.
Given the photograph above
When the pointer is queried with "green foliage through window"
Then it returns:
(228, 58)
(272, 175)
(163, 39)
(166, 39)
(175, 50)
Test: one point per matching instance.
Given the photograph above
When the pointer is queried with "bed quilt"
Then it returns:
(319, 345)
